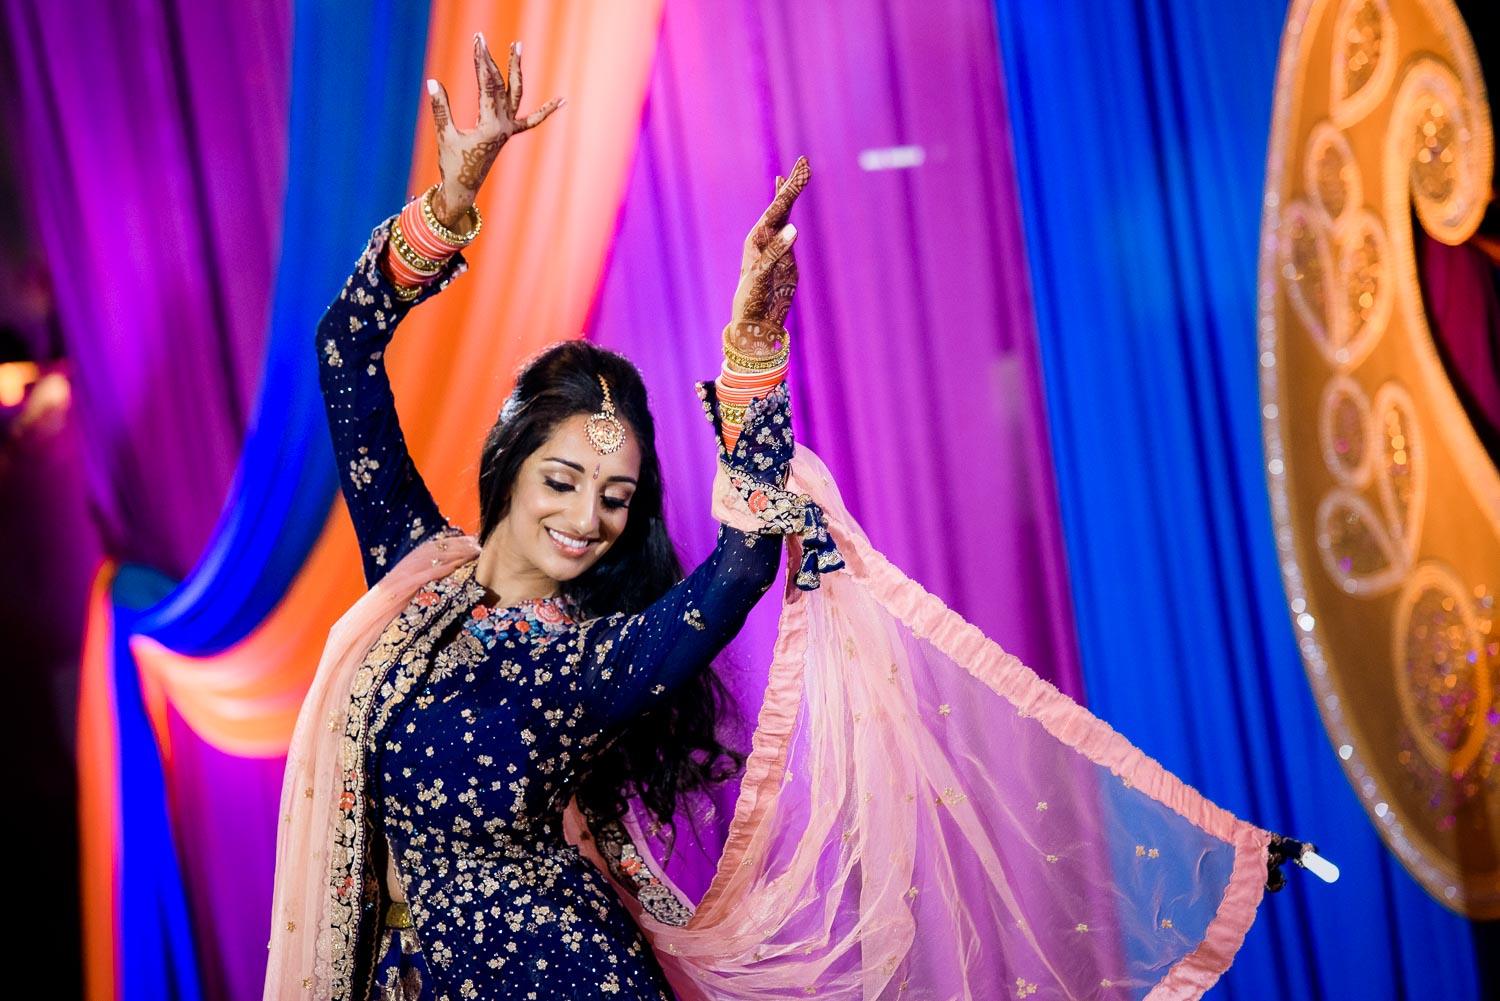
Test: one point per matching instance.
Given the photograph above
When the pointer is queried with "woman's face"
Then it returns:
(568, 506)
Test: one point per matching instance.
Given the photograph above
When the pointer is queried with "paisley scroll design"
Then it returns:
(1307, 265)
(1330, 173)
(1364, 281)
(1334, 254)
(1343, 425)
(1445, 674)
(1445, 144)
(1364, 59)
(1388, 531)
(1368, 545)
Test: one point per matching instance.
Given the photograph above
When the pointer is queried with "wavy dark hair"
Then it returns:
(674, 748)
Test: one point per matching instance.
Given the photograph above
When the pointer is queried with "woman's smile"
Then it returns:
(570, 545)
(568, 507)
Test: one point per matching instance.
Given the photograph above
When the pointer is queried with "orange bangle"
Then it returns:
(732, 379)
(400, 272)
(414, 228)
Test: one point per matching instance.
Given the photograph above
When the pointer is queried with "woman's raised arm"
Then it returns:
(631, 659)
(390, 505)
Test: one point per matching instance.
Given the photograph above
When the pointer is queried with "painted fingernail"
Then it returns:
(479, 37)
(518, 49)
(432, 88)
(788, 232)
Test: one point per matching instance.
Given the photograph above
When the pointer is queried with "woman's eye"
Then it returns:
(561, 488)
(615, 503)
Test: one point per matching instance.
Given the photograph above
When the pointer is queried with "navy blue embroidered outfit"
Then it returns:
(471, 721)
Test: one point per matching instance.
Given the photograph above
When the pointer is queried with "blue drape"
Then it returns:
(356, 88)
(156, 953)
(1140, 130)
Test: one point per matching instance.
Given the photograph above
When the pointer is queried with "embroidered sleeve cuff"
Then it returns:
(372, 278)
(757, 469)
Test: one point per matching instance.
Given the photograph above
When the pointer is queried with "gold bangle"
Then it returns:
(424, 266)
(442, 232)
(753, 363)
(729, 414)
(762, 331)
(406, 293)
(744, 363)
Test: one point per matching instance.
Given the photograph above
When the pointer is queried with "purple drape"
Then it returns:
(152, 142)
(914, 361)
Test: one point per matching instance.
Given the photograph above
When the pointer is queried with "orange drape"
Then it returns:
(99, 792)
(550, 208)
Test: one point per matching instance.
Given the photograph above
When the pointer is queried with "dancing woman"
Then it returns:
(565, 656)
(495, 722)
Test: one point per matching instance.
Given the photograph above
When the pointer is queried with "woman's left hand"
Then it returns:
(465, 158)
(768, 271)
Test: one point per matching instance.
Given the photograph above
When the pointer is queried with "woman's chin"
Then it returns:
(563, 568)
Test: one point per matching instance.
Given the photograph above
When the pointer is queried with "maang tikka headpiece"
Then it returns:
(604, 429)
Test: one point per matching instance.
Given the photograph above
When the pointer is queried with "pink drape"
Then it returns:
(914, 365)
(298, 962)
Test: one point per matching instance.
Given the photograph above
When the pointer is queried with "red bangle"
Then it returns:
(400, 273)
(730, 376)
(420, 235)
(741, 395)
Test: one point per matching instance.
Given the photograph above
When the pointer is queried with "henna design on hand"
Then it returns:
(477, 162)
(513, 101)
(766, 287)
(441, 117)
(783, 287)
(465, 157)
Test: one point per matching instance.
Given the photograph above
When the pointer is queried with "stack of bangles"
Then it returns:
(746, 377)
(420, 245)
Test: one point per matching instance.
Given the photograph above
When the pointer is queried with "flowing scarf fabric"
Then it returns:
(314, 775)
(924, 817)
(921, 816)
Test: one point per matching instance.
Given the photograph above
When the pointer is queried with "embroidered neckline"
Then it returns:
(465, 576)
(533, 620)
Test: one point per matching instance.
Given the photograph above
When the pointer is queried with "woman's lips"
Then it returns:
(568, 545)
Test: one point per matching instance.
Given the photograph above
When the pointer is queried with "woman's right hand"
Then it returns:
(465, 158)
(768, 271)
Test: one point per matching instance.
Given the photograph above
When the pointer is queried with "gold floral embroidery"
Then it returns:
(402, 647)
(633, 871)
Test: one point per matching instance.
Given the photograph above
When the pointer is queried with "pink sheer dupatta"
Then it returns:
(923, 817)
(302, 937)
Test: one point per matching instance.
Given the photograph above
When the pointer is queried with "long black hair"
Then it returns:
(674, 748)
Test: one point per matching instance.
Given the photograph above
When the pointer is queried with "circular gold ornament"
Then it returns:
(1387, 506)
(604, 430)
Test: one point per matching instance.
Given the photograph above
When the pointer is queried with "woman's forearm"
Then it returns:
(388, 502)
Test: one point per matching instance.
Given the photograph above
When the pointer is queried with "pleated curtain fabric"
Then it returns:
(1140, 132)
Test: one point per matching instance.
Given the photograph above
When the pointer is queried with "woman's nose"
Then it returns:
(585, 515)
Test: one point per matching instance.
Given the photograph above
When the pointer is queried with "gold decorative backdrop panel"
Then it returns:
(1387, 506)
